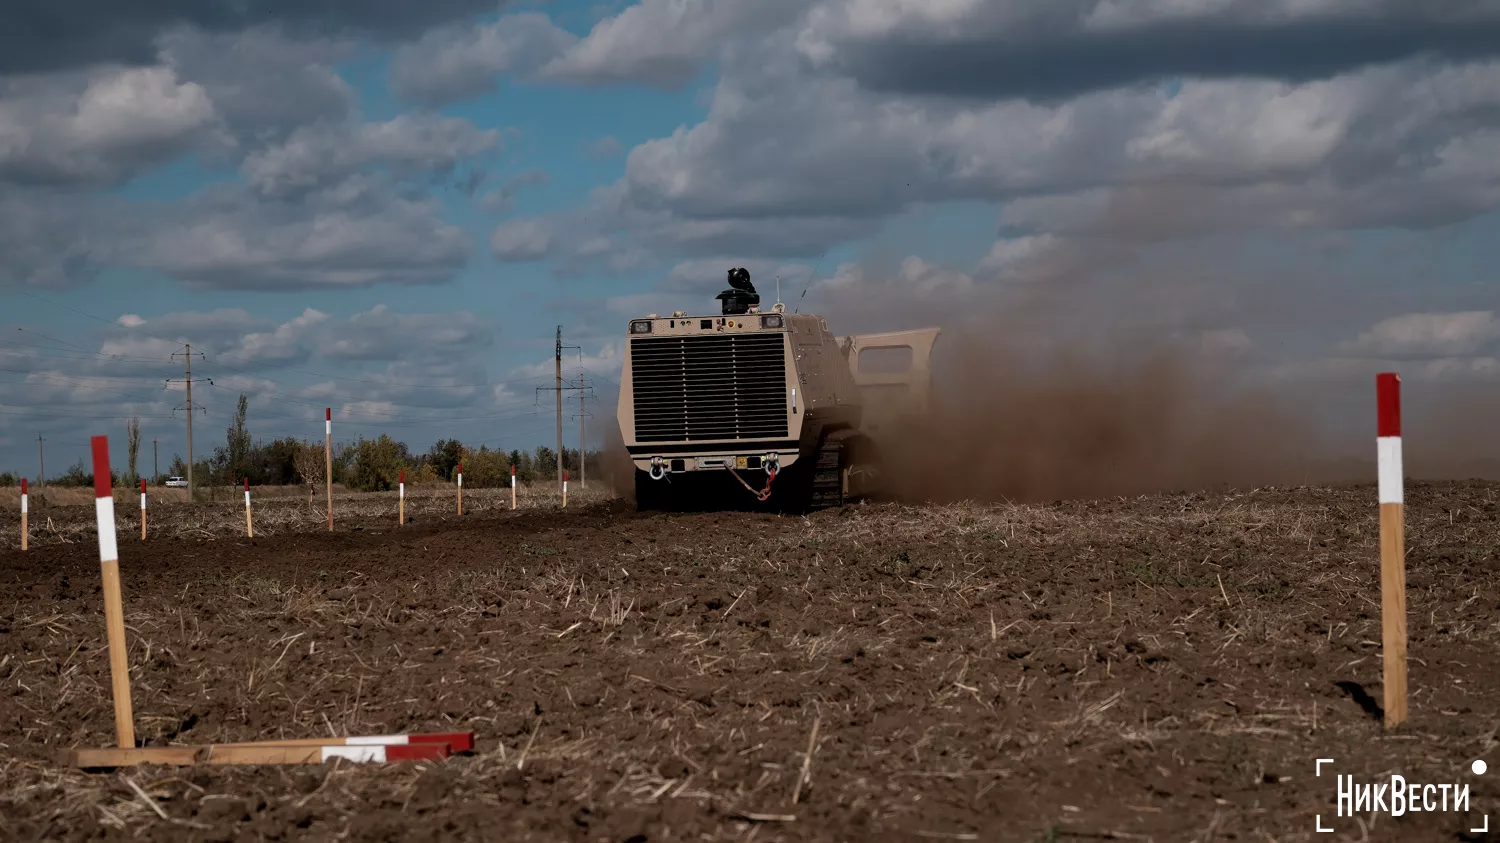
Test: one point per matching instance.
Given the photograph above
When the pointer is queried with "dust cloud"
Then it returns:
(1090, 386)
(1031, 425)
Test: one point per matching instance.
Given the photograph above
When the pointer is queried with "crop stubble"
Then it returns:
(1167, 667)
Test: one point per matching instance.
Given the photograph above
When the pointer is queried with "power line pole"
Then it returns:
(187, 355)
(583, 459)
(41, 463)
(558, 385)
(583, 454)
(558, 389)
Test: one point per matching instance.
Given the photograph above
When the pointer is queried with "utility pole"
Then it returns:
(187, 354)
(558, 393)
(558, 388)
(583, 454)
(41, 463)
(583, 460)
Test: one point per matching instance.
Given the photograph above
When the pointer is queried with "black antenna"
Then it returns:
(810, 280)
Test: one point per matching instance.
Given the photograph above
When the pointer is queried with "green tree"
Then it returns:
(444, 456)
(237, 442)
(132, 446)
(377, 464)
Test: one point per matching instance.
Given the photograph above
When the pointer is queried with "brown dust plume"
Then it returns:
(1043, 425)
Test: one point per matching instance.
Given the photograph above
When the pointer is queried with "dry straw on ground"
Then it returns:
(1159, 668)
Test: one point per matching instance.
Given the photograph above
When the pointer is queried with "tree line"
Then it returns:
(367, 465)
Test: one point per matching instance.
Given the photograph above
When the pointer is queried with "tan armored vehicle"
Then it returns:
(767, 405)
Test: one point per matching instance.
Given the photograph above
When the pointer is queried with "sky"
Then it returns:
(388, 208)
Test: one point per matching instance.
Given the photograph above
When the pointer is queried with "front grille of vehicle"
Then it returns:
(701, 388)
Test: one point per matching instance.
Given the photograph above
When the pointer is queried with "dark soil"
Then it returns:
(1164, 668)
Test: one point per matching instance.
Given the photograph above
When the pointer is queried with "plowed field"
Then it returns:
(1164, 668)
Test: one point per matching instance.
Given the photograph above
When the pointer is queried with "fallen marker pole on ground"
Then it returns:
(372, 749)
(25, 532)
(316, 752)
(1392, 545)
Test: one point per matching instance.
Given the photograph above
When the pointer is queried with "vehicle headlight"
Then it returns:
(640, 326)
(771, 321)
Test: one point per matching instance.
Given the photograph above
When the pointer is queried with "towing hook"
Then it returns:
(658, 471)
(771, 463)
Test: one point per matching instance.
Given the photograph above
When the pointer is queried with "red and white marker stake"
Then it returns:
(1392, 545)
(25, 533)
(460, 489)
(249, 530)
(328, 460)
(114, 612)
(143, 509)
(512, 487)
(565, 487)
(401, 484)
(457, 741)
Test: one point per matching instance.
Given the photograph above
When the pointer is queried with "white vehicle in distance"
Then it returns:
(176, 482)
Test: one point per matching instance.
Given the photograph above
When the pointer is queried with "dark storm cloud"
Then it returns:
(1053, 70)
(47, 35)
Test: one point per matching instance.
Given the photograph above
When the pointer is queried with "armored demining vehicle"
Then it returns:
(769, 406)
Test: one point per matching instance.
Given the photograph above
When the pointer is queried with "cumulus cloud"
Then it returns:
(665, 42)
(264, 82)
(99, 128)
(90, 32)
(1428, 335)
(522, 240)
(382, 334)
(461, 61)
(1056, 49)
(353, 234)
(321, 154)
(502, 200)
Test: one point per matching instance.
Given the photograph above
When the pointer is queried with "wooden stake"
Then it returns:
(1392, 546)
(249, 528)
(456, 741)
(251, 754)
(402, 506)
(328, 460)
(460, 489)
(114, 611)
(143, 509)
(565, 488)
(512, 487)
(25, 531)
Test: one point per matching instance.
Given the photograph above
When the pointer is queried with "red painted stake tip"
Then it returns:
(23, 485)
(247, 484)
(565, 475)
(103, 484)
(328, 414)
(416, 752)
(143, 485)
(459, 741)
(1388, 404)
(513, 471)
(460, 468)
(403, 476)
